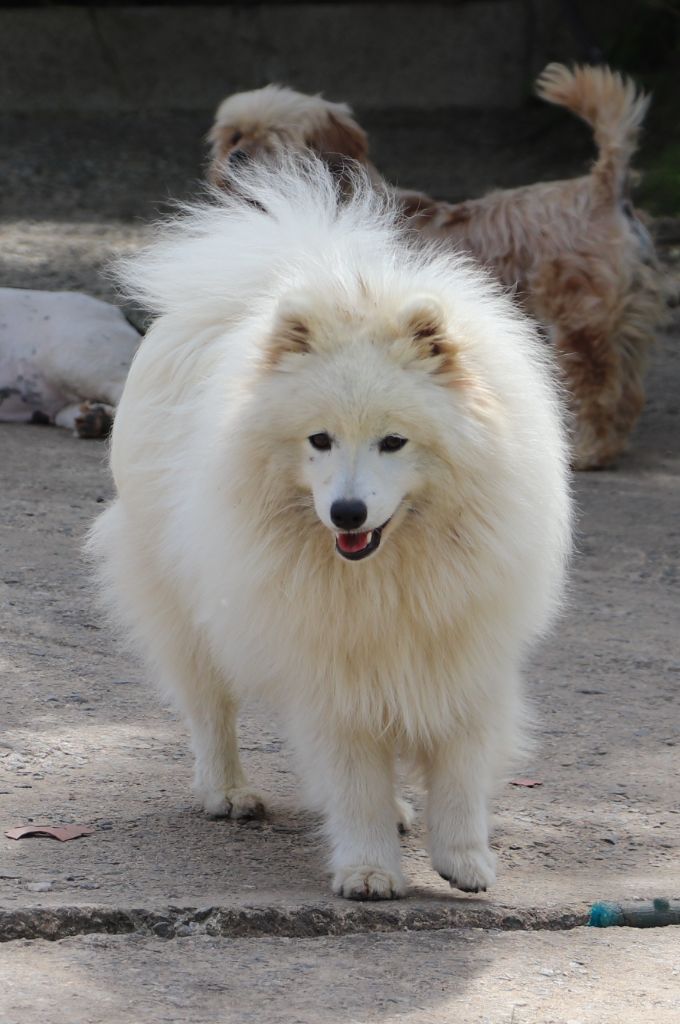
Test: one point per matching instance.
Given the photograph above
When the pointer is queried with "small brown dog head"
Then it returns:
(268, 121)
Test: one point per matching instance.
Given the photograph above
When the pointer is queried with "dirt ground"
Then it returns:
(162, 915)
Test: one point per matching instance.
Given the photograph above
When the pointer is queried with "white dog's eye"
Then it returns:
(392, 443)
(322, 442)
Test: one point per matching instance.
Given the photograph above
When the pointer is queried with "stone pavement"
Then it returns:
(619, 976)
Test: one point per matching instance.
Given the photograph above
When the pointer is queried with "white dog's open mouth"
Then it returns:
(354, 546)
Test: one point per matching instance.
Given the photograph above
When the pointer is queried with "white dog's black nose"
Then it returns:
(348, 513)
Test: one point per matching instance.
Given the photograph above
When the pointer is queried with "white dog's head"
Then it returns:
(353, 397)
(357, 490)
(265, 122)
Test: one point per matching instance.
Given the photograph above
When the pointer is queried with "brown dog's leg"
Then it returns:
(605, 394)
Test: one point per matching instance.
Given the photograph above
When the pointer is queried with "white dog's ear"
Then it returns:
(422, 324)
(292, 331)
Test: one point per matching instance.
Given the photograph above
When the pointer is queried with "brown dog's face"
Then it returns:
(263, 123)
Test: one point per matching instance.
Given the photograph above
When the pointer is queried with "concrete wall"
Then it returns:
(479, 54)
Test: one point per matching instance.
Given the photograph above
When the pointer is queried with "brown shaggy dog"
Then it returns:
(267, 121)
(581, 261)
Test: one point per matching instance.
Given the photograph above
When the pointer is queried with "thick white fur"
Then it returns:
(219, 565)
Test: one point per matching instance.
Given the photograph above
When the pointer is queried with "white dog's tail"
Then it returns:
(613, 108)
(216, 260)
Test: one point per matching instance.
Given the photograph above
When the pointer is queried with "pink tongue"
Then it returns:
(352, 541)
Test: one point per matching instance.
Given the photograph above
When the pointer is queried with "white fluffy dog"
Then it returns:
(342, 481)
(64, 357)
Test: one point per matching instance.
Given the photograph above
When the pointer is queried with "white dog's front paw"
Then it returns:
(470, 869)
(241, 803)
(368, 882)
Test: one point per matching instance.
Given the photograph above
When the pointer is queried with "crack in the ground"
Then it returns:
(52, 923)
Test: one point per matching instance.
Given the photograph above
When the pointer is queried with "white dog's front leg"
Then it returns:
(218, 777)
(459, 780)
(361, 815)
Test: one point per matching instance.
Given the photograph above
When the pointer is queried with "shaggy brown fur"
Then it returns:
(580, 260)
(267, 121)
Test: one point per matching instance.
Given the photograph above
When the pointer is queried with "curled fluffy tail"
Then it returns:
(613, 108)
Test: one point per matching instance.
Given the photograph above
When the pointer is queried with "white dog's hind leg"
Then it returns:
(459, 779)
(405, 815)
(357, 776)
